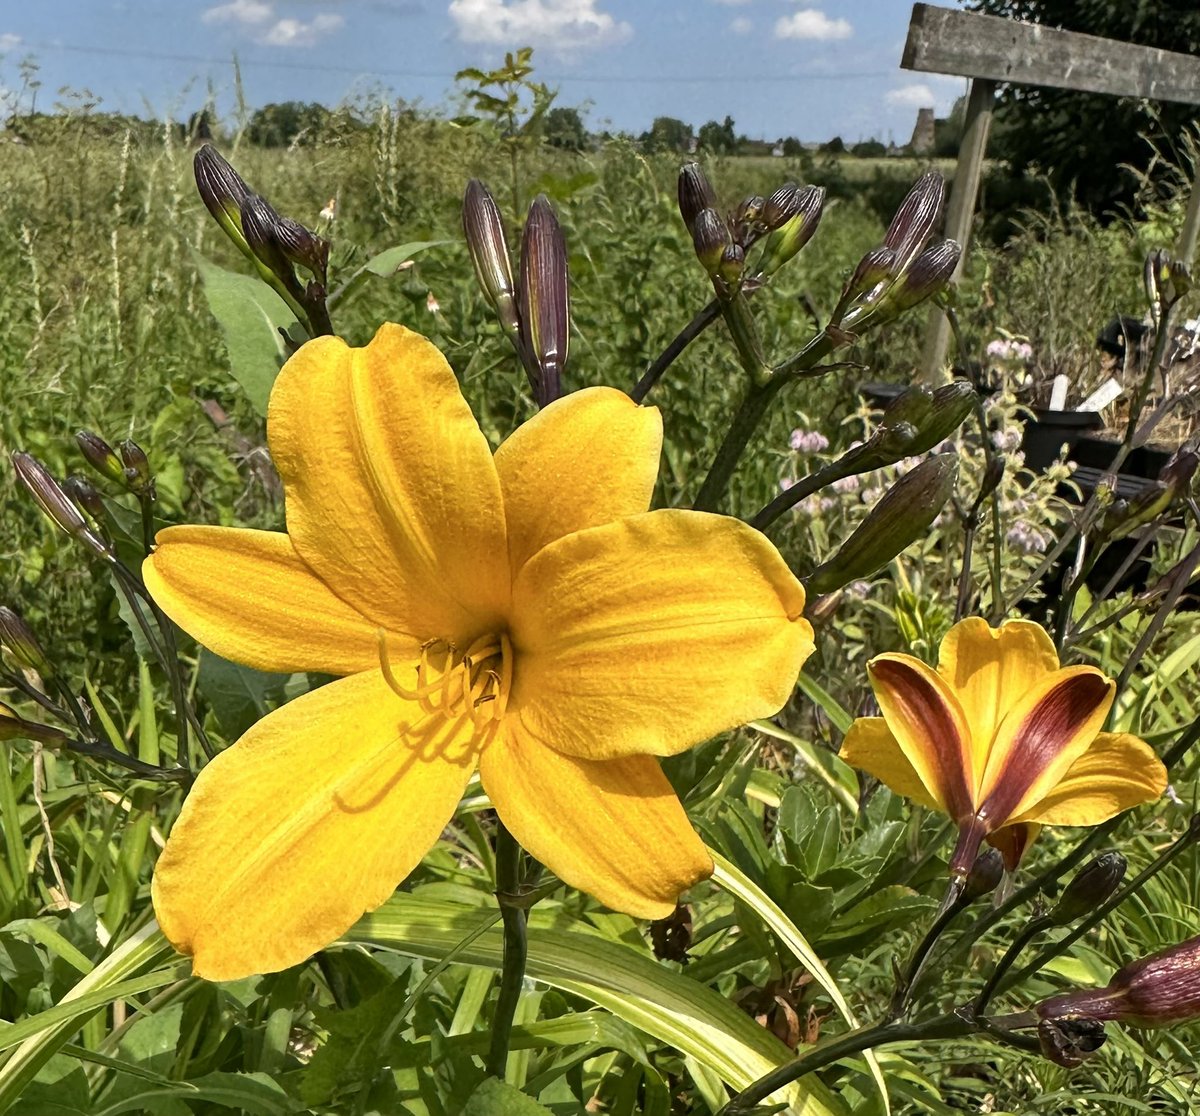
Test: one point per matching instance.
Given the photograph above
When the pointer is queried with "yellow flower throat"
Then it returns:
(451, 684)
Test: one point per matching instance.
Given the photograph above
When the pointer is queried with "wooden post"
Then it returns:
(990, 49)
(960, 211)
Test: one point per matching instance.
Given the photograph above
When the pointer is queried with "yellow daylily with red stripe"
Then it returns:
(1002, 738)
(522, 613)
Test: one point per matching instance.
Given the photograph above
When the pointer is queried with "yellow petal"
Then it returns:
(1043, 734)
(1117, 772)
(870, 746)
(924, 715)
(613, 828)
(653, 633)
(312, 818)
(391, 493)
(247, 596)
(989, 670)
(586, 459)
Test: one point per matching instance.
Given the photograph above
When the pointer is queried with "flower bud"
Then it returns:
(1070, 1042)
(985, 875)
(260, 224)
(55, 504)
(992, 476)
(928, 274)
(901, 517)
(948, 409)
(750, 210)
(733, 259)
(876, 267)
(84, 494)
(695, 194)
(302, 247)
(1167, 280)
(1154, 991)
(796, 230)
(15, 727)
(484, 232)
(138, 478)
(100, 455)
(1180, 468)
(916, 218)
(710, 235)
(22, 644)
(222, 190)
(1090, 887)
(544, 301)
(781, 206)
(1126, 516)
(913, 405)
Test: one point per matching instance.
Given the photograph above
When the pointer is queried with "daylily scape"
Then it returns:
(1001, 738)
(521, 613)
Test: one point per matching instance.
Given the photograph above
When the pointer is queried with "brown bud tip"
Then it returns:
(85, 494)
(781, 205)
(926, 276)
(1070, 1042)
(303, 247)
(544, 306)
(260, 226)
(484, 233)
(695, 194)
(100, 455)
(795, 231)
(985, 875)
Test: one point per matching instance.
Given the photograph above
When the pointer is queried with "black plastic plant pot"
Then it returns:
(1099, 453)
(879, 395)
(1048, 431)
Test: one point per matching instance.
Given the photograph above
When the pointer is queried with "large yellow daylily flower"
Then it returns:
(523, 614)
(1001, 738)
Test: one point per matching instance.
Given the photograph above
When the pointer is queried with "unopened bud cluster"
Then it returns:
(535, 313)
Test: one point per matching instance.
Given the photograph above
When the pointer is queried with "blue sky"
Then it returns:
(778, 67)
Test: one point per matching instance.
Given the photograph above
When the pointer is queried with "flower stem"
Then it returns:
(953, 1025)
(952, 905)
(745, 422)
(703, 319)
(514, 913)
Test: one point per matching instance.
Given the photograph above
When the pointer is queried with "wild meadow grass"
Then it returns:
(104, 326)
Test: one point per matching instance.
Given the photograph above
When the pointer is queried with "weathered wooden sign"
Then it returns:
(990, 49)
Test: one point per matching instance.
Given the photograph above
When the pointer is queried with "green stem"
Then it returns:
(512, 976)
(667, 357)
(1023, 938)
(853, 1042)
(745, 422)
(1188, 838)
(952, 904)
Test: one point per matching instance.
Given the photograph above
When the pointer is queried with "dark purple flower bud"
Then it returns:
(733, 259)
(55, 504)
(221, 188)
(544, 307)
(1179, 470)
(916, 218)
(710, 235)
(992, 476)
(84, 494)
(484, 232)
(949, 407)
(21, 643)
(260, 226)
(1154, 991)
(138, 477)
(926, 276)
(15, 727)
(100, 455)
(695, 194)
(781, 206)
(1167, 280)
(904, 515)
(1090, 887)
(750, 210)
(303, 247)
(988, 870)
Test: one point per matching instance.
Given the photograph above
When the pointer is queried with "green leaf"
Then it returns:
(495, 1098)
(252, 1093)
(250, 315)
(672, 1008)
(239, 695)
(745, 890)
(388, 262)
(835, 773)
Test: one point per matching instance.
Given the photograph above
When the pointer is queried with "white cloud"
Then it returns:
(742, 26)
(809, 23)
(918, 95)
(259, 16)
(9, 41)
(248, 12)
(297, 33)
(559, 24)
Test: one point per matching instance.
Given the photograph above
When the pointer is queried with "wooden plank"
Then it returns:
(946, 41)
(960, 211)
